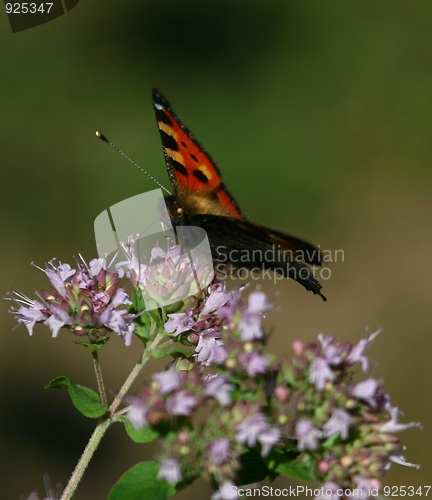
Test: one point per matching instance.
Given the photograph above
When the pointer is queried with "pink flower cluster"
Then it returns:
(86, 299)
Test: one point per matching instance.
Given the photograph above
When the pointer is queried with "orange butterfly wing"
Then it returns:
(200, 192)
(193, 174)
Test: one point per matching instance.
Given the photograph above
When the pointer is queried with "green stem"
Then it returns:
(105, 422)
(99, 378)
(85, 458)
(166, 344)
(136, 369)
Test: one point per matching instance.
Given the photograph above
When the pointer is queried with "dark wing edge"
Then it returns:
(239, 243)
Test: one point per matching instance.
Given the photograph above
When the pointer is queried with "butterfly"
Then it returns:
(201, 199)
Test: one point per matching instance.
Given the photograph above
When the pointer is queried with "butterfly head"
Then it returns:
(175, 211)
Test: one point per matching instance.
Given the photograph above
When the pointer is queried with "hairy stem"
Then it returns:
(137, 368)
(85, 458)
(105, 422)
(99, 378)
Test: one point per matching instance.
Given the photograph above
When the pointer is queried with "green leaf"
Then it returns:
(253, 469)
(142, 331)
(286, 463)
(173, 308)
(173, 351)
(137, 301)
(142, 322)
(294, 469)
(84, 399)
(140, 483)
(144, 435)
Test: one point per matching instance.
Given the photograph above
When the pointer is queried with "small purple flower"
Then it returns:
(228, 311)
(58, 319)
(170, 471)
(393, 424)
(250, 322)
(401, 460)
(210, 350)
(58, 275)
(137, 412)
(250, 327)
(227, 491)
(34, 312)
(307, 434)
(120, 322)
(248, 430)
(367, 390)
(329, 491)
(320, 373)
(257, 303)
(180, 322)
(217, 298)
(331, 353)
(96, 266)
(339, 422)
(169, 380)
(119, 298)
(181, 403)
(256, 429)
(356, 354)
(50, 493)
(219, 451)
(363, 488)
(100, 301)
(216, 387)
(253, 363)
(268, 439)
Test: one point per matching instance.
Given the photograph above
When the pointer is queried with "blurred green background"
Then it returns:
(320, 117)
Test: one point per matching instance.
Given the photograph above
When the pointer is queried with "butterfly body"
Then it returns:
(201, 199)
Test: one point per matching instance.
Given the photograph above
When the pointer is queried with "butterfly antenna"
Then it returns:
(103, 138)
